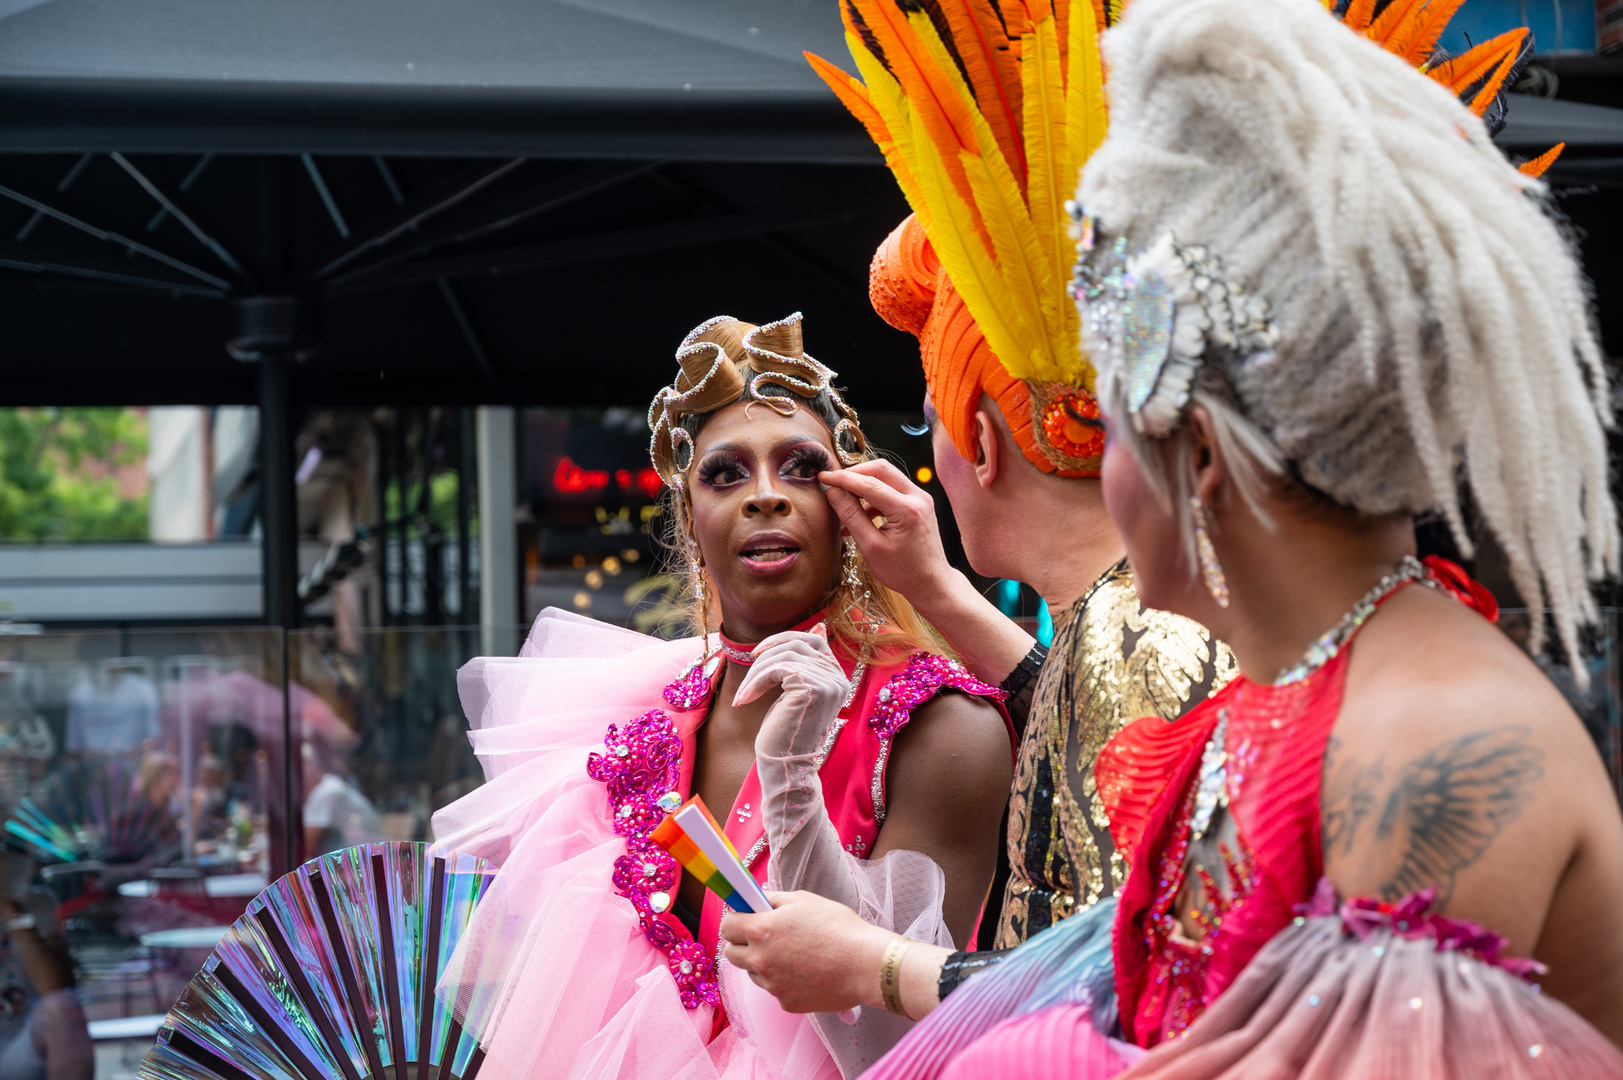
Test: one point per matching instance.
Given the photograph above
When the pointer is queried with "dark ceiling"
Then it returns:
(460, 280)
(491, 201)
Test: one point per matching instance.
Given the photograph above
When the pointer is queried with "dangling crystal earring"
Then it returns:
(861, 599)
(1210, 568)
(701, 596)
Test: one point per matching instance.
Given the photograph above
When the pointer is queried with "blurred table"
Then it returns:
(221, 886)
(186, 937)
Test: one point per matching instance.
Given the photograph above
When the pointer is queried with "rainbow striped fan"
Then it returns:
(91, 810)
(329, 975)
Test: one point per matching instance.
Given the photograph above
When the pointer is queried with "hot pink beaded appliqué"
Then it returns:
(643, 772)
(917, 683)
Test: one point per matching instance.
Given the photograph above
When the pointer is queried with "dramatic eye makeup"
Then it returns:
(806, 461)
(722, 469)
(920, 428)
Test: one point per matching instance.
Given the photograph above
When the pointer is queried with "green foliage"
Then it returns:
(442, 496)
(56, 474)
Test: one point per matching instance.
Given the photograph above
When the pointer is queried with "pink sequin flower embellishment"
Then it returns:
(642, 767)
(692, 688)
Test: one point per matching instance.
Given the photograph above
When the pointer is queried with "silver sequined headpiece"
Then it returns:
(1153, 314)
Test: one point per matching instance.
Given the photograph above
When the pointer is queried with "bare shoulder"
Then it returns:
(956, 732)
(1456, 765)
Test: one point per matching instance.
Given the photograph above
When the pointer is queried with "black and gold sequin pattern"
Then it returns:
(1112, 661)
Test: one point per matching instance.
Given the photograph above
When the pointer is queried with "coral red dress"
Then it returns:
(1223, 807)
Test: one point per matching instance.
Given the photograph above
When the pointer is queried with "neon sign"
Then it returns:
(574, 480)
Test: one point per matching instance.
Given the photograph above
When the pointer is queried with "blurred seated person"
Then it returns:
(336, 814)
(42, 1028)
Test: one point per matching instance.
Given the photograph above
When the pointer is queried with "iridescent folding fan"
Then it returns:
(91, 810)
(329, 975)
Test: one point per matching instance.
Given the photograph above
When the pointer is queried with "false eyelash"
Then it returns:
(808, 455)
(713, 466)
(1085, 421)
(920, 428)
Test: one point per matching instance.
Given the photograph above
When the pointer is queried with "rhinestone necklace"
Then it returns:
(1211, 790)
(1332, 641)
(738, 654)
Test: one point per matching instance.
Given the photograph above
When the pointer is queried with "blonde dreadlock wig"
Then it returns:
(1294, 228)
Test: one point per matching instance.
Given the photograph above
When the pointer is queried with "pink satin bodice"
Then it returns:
(853, 773)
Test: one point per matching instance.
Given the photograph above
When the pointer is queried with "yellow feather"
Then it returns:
(896, 112)
(985, 140)
(1032, 295)
(974, 272)
(1085, 117)
(1021, 260)
(1001, 236)
(1050, 182)
(1086, 121)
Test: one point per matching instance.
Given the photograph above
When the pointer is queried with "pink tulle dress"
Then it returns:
(1282, 981)
(575, 964)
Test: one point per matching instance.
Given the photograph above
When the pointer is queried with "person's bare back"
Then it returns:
(1455, 764)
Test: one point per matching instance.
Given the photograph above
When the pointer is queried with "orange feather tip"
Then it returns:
(1541, 164)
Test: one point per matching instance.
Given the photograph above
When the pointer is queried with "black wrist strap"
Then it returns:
(961, 965)
(1026, 670)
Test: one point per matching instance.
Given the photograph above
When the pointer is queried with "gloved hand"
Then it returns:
(805, 849)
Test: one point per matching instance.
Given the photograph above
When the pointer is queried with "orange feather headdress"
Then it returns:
(986, 111)
(1478, 77)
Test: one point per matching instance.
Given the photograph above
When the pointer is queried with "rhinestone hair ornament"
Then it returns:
(1153, 314)
(773, 353)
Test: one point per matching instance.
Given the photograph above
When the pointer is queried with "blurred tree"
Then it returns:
(58, 474)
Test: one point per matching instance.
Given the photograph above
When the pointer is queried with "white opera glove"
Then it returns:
(805, 848)
(902, 892)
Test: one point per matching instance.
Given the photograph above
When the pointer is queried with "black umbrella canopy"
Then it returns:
(516, 201)
(491, 201)
(578, 78)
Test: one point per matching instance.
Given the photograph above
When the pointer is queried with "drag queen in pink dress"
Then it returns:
(814, 713)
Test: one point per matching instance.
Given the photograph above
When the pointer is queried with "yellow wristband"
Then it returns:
(890, 975)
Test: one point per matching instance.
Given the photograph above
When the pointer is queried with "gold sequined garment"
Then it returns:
(1111, 661)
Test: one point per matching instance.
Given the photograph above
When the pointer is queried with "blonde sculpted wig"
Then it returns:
(1369, 298)
(725, 361)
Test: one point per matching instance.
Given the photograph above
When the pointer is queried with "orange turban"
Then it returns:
(912, 292)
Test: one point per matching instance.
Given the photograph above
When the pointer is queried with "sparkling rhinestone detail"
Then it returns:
(1212, 791)
(1332, 641)
(693, 687)
(641, 779)
(922, 678)
(918, 682)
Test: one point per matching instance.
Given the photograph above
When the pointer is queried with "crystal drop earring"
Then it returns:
(861, 598)
(1210, 568)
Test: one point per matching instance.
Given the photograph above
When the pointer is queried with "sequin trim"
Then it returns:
(692, 688)
(922, 678)
(917, 683)
(755, 852)
(642, 769)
